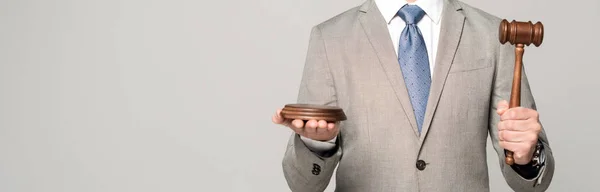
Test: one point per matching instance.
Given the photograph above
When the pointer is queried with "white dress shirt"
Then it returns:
(429, 27)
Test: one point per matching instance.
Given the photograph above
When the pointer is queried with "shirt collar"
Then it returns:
(390, 8)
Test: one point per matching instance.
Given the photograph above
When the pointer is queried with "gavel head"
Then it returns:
(521, 33)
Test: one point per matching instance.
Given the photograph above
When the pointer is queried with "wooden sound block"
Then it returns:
(311, 108)
(313, 112)
(332, 114)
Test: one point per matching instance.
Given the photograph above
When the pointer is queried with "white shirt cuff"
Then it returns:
(319, 146)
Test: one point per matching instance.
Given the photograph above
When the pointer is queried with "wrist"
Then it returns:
(537, 158)
(532, 169)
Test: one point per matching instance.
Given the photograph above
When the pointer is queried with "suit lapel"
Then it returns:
(377, 32)
(450, 35)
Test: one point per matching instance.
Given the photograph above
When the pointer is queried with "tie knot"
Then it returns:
(411, 14)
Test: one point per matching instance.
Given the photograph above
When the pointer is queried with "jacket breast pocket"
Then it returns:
(465, 66)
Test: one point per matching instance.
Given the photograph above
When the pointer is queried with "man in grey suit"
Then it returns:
(423, 83)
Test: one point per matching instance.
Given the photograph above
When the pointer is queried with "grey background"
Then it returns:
(132, 95)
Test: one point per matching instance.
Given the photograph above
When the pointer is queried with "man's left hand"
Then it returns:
(518, 131)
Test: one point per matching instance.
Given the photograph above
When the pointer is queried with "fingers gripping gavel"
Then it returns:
(519, 34)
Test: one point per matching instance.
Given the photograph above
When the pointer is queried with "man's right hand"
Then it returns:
(316, 130)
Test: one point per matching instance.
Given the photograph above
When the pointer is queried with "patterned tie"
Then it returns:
(414, 62)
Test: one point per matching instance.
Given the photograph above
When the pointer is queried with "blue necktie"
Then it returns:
(414, 62)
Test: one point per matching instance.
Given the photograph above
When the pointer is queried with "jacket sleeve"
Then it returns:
(304, 170)
(502, 90)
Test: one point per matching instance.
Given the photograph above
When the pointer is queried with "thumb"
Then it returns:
(277, 118)
(502, 107)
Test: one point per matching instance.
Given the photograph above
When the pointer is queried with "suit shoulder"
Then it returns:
(476, 12)
(480, 17)
(339, 22)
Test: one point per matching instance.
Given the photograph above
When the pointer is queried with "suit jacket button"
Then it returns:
(421, 165)
(316, 169)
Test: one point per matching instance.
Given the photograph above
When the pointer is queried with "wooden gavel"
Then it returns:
(519, 34)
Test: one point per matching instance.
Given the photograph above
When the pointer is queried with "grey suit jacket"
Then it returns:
(351, 63)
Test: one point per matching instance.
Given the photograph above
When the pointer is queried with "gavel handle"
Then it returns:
(515, 96)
